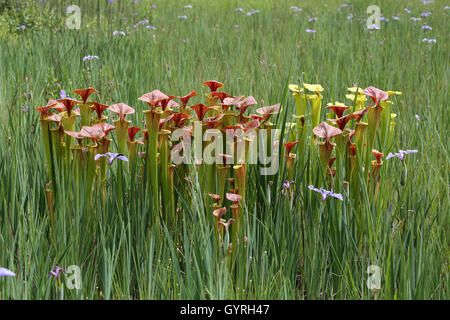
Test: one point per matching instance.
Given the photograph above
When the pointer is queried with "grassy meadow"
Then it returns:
(297, 246)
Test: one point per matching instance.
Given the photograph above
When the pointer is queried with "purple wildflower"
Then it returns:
(56, 272)
(118, 32)
(253, 11)
(325, 193)
(401, 154)
(239, 9)
(407, 11)
(415, 19)
(310, 30)
(427, 28)
(6, 273)
(111, 157)
(22, 27)
(90, 58)
(287, 183)
(395, 18)
(151, 27)
(430, 41)
(24, 108)
(182, 17)
(417, 117)
(63, 94)
(425, 14)
(373, 26)
(188, 6)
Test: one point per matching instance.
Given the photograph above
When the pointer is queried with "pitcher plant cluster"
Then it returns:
(345, 142)
(83, 140)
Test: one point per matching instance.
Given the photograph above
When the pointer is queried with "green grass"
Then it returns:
(303, 249)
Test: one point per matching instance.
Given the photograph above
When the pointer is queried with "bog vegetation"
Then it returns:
(100, 128)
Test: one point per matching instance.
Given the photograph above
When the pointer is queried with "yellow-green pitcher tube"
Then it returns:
(223, 173)
(57, 141)
(301, 103)
(122, 134)
(68, 123)
(391, 130)
(172, 190)
(152, 118)
(164, 174)
(132, 154)
(290, 165)
(301, 137)
(98, 121)
(341, 154)
(46, 139)
(49, 196)
(78, 164)
(85, 112)
(385, 119)
(239, 173)
(229, 118)
(90, 170)
(316, 108)
(211, 100)
(374, 117)
(360, 138)
(235, 212)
